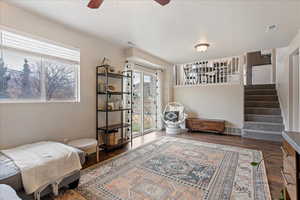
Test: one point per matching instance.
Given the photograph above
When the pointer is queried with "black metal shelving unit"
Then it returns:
(104, 131)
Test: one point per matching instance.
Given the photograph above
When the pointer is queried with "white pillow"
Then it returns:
(6, 192)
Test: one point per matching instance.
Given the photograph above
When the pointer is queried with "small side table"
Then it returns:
(88, 145)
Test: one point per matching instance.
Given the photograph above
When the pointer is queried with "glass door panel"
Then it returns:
(137, 105)
(150, 111)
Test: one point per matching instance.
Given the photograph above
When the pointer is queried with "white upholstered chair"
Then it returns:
(174, 118)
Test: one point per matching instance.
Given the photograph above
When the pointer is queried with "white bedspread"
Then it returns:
(44, 163)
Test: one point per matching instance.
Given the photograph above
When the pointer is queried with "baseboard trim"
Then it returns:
(233, 131)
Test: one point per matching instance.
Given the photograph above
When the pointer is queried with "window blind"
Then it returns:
(16, 41)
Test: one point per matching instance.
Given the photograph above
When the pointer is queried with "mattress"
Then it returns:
(10, 174)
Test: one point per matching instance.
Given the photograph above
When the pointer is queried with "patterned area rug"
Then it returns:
(178, 169)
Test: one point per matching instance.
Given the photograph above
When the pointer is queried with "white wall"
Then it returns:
(24, 123)
(224, 102)
(284, 81)
(262, 74)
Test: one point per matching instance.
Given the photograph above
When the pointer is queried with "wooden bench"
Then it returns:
(208, 125)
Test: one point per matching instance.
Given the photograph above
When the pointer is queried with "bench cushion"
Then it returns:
(84, 144)
(10, 174)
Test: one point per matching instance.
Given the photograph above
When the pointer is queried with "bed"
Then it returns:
(11, 175)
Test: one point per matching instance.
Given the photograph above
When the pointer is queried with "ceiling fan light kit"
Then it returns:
(202, 47)
(163, 2)
(94, 4)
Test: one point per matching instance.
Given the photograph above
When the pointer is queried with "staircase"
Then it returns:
(263, 118)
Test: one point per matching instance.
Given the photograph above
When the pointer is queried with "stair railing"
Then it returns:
(218, 71)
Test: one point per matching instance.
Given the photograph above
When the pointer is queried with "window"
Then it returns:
(37, 71)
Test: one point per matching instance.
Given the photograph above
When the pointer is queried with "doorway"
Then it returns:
(145, 94)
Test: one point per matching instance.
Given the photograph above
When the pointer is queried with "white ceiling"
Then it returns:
(230, 26)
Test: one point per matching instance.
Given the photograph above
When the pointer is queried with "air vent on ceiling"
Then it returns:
(271, 28)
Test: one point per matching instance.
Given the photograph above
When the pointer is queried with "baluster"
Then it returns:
(222, 67)
(238, 64)
(207, 73)
(227, 73)
(203, 73)
(215, 72)
(218, 72)
(210, 71)
(206, 79)
(231, 70)
(200, 73)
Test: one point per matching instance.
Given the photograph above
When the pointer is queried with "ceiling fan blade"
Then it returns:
(163, 2)
(95, 3)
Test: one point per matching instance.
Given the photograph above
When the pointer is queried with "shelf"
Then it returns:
(123, 129)
(114, 126)
(114, 75)
(116, 110)
(111, 147)
(114, 93)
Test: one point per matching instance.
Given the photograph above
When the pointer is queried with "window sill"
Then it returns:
(38, 102)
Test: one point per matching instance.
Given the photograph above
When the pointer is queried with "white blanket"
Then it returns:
(44, 163)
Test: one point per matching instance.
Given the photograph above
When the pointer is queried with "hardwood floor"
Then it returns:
(271, 152)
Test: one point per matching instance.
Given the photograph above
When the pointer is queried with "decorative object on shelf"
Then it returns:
(101, 86)
(111, 88)
(117, 104)
(111, 69)
(110, 106)
(105, 61)
(115, 100)
(101, 105)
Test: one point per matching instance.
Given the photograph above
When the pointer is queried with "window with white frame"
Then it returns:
(37, 71)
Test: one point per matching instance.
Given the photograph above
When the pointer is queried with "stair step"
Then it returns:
(264, 126)
(262, 111)
(260, 92)
(261, 98)
(263, 86)
(262, 135)
(264, 118)
(266, 104)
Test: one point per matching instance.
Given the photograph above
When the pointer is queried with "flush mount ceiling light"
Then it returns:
(94, 4)
(202, 47)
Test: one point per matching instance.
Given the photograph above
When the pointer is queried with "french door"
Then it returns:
(144, 119)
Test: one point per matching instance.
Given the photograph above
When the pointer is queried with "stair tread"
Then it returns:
(254, 89)
(261, 108)
(262, 95)
(264, 123)
(258, 115)
(260, 90)
(262, 101)
(267, 132)
(259, 85)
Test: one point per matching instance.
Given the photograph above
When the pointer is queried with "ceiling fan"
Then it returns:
(97, 3)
